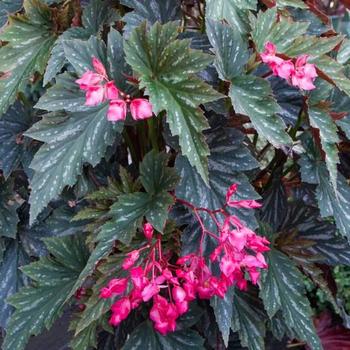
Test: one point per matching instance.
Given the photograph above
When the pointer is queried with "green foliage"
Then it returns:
(166, 67)
(30, 38)
(144, 337)
(38, 306)
(76, 189)
(283, 290)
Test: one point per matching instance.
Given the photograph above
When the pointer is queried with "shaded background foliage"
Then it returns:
(68, 175)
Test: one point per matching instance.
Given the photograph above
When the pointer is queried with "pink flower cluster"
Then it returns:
(171, 287)
(99, 89)
(300, 74)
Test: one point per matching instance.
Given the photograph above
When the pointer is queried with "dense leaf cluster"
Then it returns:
(76, 188)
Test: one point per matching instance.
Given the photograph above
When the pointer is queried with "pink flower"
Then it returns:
(254, 275)
(269, 57)
(305, 73)
(284, 70)
(112, 93)
(88, 80)
(238, 239)
(131, 259)
(120, 311)
(138, 278)
(99, 67)
(179, 294)
(182, 307)
(148, 230)
(115, 286)
(231, 191)
(227, 265)
(141, 108)
(149, 291)
(95, 95)
(257, 243)
(116, 111)
(164, 315)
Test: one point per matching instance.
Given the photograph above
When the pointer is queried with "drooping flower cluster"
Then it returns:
(300, 74)
(99, 89)
(171, 287)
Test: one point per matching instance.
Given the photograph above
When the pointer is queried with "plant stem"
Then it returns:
(131, 147)
(153, 134)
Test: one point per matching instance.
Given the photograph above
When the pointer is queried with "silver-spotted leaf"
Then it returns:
(282, 289)
(166, 67)
(30, 38)
(252, 96)
(38, 306)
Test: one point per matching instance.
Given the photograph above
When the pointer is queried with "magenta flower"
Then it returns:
(89, 79)
(305, 74)
(95, 95)
(301, 74)
(140, 109)
(120, 311)
(148, 231)
(99, 67)
(112, 92)
(116, 111)
(115, 287)
(131, 259)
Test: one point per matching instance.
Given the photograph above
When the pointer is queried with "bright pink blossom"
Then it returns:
(89, 79)
(99, 67)
(149, 291)
(141, 108)
(115, 287)
(148, 231)
(131, 259)
(164, 315)
(112, 93)
(120, 311)
(172, 286)
(116, 111)
(301, 74)
(95, 95)
(304, 74)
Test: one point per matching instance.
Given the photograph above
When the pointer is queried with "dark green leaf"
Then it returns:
(249, 320)
(37, 307)
(281, 32)
(252, 96)
(95, 16)
(331, 202)
(166, 67)
(8, 7)
(223, 310)
(155, 175)
(321, 120)
(234, 12)
(69, 142)
(86, 339)
(334, 70)
(152, 11)
(312, 45)
(12, 125)
(30, 38)
(231, 53)
(11, 278)
(128, 212)
(8, 211)
(227, 162)
(64, 95)
(283, 289)
(145, 338)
